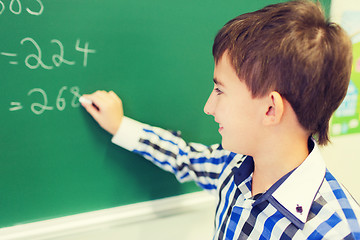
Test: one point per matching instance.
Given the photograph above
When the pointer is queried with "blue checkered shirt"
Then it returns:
(306, 203)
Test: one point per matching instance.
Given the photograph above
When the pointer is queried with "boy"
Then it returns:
(280, 73)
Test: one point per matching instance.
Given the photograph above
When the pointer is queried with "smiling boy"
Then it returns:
(258, 127)
(279, 75)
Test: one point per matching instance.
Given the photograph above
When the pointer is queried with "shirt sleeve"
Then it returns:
(166, 149)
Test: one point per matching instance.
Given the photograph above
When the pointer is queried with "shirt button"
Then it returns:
(299, 209)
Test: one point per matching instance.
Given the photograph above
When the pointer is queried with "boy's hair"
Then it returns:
(291, 48)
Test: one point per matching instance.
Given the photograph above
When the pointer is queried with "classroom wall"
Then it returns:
(343, 156)
(195, 221)
(186, 217)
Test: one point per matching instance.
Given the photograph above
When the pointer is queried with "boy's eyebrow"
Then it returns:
(217, 82)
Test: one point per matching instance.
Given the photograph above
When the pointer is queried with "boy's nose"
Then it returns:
(209, 106)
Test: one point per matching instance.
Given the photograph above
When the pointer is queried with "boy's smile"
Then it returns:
(234, 108)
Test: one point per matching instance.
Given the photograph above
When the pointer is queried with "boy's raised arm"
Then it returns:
(166, 149)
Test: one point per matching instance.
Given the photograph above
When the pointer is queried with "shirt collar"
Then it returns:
(294, 193)
(297, 193)
(244, 170)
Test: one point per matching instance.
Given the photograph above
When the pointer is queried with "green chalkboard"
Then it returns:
(156, 55)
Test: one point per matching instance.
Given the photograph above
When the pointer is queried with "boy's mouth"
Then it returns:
(220, 127)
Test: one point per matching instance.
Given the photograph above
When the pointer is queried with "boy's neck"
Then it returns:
(279, 158)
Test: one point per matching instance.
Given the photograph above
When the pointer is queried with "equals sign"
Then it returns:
(15, 106)
(10, 55)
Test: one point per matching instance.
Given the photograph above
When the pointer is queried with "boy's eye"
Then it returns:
(218, 91)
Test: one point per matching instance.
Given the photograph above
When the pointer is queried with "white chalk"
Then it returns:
(85, 100)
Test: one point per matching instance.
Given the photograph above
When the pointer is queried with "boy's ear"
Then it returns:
(274, 109)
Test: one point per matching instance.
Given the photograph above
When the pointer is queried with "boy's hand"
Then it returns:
(107, 109)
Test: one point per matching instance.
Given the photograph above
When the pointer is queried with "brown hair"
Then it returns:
(292, 49)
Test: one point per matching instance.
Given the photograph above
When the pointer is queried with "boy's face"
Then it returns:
(238, 114)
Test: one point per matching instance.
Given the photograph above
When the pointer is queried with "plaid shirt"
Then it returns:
(307, 203)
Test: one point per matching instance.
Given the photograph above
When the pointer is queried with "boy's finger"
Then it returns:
(114, 96)
(96, 99)
(92, 110)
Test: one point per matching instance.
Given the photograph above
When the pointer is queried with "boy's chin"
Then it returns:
(235, 149)
(225, 145)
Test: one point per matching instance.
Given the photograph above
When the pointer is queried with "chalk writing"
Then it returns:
(58, 59)
(10, 55)
(85, 50)
(15, 106)
(35, 60)
(39, 108)
(37, 56)
(75, 100)
(15, 7)
(42, 105)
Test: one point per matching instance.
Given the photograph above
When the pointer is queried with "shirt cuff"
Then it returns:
(128, 134)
